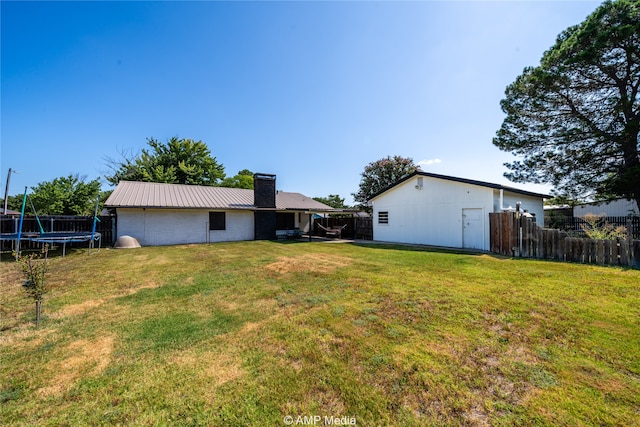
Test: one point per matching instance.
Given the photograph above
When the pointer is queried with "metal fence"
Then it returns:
(575, 226)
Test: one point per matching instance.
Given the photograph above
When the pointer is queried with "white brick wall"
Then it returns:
(157, 227)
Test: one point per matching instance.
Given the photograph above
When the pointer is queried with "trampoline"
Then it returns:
(50, 237)
(62, 237)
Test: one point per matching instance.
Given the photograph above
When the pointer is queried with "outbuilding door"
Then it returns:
(472, 228)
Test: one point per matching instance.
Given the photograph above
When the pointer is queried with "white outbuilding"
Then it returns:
(430, 209)
(619, 207)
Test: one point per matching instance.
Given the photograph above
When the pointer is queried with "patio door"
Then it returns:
(472, 228)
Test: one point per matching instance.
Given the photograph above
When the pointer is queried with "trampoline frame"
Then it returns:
(63, 237)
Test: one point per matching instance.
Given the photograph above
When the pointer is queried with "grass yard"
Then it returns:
(250, 333)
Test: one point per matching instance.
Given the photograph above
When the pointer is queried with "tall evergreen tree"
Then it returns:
(575, 118)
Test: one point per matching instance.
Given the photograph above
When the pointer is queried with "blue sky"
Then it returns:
(309, 91)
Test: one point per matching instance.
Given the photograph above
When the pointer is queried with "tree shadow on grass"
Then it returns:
(426, 248)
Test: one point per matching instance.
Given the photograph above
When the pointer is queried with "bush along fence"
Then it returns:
(62, 223)
(512, 234)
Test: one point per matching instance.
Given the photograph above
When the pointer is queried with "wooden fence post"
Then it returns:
(513, 234)
(618, 251)
(629, 242)
(518, 230)
(636, 254)
(600, 252)
(524, 237)
(539, 245)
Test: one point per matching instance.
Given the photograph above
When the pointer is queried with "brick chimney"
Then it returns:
(264, 190)
(264, 199)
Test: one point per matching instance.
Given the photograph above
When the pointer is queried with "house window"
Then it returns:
(217, 221)
(285, 221)
(383, 217)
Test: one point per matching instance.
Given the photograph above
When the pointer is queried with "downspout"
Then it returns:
(502, 208)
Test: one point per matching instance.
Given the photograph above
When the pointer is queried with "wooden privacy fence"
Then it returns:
(355, 227)
(364, 228)
(515, 235)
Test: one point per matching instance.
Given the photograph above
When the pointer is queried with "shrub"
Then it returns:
(599, 229)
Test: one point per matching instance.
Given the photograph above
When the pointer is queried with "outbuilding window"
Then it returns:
(383, 217)
(217, 221)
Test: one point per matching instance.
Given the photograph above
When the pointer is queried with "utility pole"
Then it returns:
(6, 191)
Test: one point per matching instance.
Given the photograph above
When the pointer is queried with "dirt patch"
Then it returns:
(88, 358)
(83, 307)
(222, 368)
(315, 263)
(250, 327)
(328, 401)
(521, 354)
(184, 359)
(148, 284)
(477, 416)
(77, 309)
(25, 337)
(264, 305)
(228, 305)
(218, 367)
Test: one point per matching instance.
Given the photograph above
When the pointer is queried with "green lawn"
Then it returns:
(249, 333)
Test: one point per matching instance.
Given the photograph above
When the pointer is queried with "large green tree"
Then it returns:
(67, 195)
(243, 179)
(575, 119)
(178, 161)
(333, 200)
(380, 174)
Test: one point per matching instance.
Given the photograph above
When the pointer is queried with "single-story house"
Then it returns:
(168, 214)
(10, 212)
(430, 209)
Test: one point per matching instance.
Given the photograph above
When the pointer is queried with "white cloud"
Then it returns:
(429, 162)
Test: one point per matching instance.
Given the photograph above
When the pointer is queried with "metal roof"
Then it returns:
(461, 180)
(133, 194)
